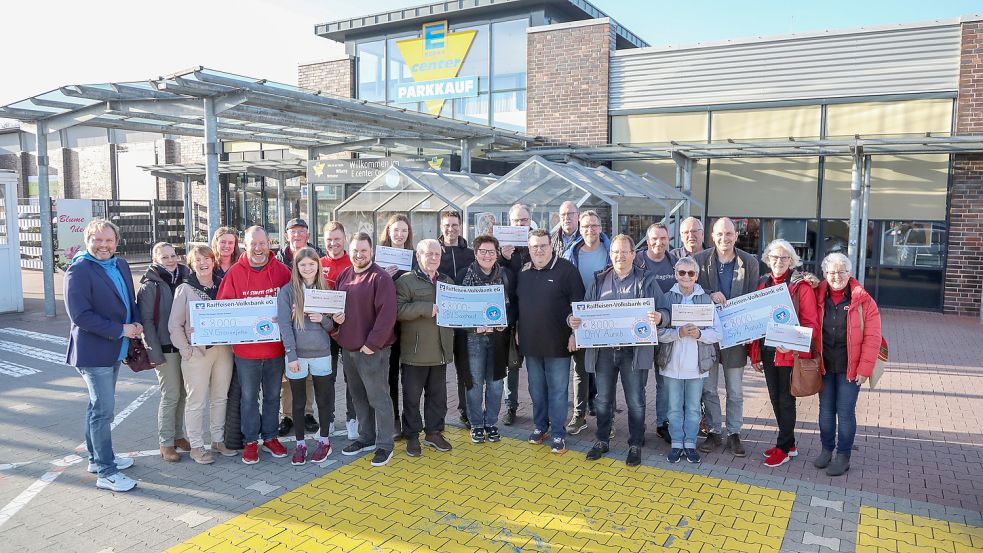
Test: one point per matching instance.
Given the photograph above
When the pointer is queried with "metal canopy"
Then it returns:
(272, 168)
(792, 147)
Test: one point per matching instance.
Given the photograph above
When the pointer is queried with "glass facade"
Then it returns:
(497, 57)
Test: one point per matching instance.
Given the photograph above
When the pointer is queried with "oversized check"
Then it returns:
(615, 323)
(796, 338)
(470, 306)
(746, 318)
(699, 314)
(511, 236)
(242, 321)
(386, 256)
(328, 302)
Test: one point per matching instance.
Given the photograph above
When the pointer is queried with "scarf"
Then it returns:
(112, 270)
(205, 294)
(475, 276)
(171, 279)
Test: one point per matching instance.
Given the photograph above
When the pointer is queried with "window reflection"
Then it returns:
(371, 70)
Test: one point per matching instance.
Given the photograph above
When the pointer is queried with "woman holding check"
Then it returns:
(777, 363)
(308, 348)
(397, 234)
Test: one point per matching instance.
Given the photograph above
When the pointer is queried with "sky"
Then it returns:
(53, 43)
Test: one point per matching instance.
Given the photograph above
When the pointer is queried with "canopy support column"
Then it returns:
(864, 217)
(189, 228)
(465, 156)
(211, 166)
(312, 202)
(855, 199)
(684, 182)
(44, 202)
(281, 207)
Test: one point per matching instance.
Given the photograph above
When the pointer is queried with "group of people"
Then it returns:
(388, 341)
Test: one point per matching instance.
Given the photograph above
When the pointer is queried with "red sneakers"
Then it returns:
(250, 455)
(777, 458)
(275, 448)
(791, 453)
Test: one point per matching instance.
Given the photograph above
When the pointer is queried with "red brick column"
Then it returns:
(964, 271)
(567, 91)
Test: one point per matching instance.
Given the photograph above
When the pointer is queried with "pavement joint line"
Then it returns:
(10, 509)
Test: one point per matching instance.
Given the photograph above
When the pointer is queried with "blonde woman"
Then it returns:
(207, 370)
(308, 348)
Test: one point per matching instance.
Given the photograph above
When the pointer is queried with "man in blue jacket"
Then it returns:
(101, 306)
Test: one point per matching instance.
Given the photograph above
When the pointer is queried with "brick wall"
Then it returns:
(332, 77)
(964, 272)
(567, 94)
(95, 171)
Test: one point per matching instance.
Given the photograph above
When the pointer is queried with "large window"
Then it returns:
(372, 70)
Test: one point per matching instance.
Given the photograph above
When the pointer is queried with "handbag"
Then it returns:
(137, 356)
(515, 358)
(882, 354)
(807, 377)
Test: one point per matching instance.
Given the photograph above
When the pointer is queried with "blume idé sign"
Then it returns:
(72, 217)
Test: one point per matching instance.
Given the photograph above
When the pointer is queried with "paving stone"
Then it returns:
(830, 543)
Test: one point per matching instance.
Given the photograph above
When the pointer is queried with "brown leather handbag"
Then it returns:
(807, 374)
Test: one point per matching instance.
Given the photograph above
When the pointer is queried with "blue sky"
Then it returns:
(77, 42)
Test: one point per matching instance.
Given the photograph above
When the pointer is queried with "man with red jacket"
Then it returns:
(257, 274)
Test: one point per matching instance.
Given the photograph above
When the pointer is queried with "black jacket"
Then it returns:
(286, 256)
(543, 303)
(454, 258)
(500, 340)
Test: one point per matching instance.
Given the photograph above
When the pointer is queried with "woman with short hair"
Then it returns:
(850, 344)
(206, 370)
(777, 363)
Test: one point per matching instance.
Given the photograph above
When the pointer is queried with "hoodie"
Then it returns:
(245, 281)
(454, 258)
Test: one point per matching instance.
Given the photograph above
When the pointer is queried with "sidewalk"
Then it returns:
(916, 478)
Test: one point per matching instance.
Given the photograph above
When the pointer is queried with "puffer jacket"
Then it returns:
(155, 332)
(421, 341)
(797, 287)
(861, 347)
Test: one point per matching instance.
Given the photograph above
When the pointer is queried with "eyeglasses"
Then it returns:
(540, 247)
(691, 274)
(594, 227)
(837, 273)
(483, 251)
(780, 257)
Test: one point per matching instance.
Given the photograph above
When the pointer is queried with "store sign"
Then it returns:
(72, 217)
(435, 60)
(353, 171)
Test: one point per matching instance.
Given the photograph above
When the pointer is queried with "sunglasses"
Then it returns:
(691, 274)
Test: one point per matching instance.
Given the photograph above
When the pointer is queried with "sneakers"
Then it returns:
(777, 458)
(492, 433)
(310, 424)
(675, 454)
(202, 456)
(436, 440)
(839, 466)
(286, 425)
(791, 453)
(663, 432)
(352, 427)
(121, 464)
(558, 446)
(321, 452)
(576, 424)
(710, 443)
(413, 448)
(477, 435)
(250, 455)
(598, 451)
(219, 447)
(735, 446)
(509, 418)
(118, 482)
(821, 462)
(538, 436)
(381, 457)
(300, 455)
(691, 455)
(634, 456)
(275, 448)
(357, 447)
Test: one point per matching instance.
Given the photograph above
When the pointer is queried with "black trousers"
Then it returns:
(324, 397)
(394, 374)
(779, 380)
(427, 385)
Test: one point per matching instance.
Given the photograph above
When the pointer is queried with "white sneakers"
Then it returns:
(118, 482)
(352, 429)
(121, 463)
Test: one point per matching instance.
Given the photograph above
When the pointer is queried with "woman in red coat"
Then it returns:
(851, 340)
(777, 363)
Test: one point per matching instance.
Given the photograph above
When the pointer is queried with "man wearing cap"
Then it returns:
(294, 238)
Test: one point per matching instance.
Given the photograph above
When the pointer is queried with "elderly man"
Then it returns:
(546, 288)
(569, 229)
(691, 234)
(295, 238)
(514, 258)
(622, 281)
(102, 310)
(365, 334)
(726, 272)
(260, 366)
(426, 350)
(589, 254)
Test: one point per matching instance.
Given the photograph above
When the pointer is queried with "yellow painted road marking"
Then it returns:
(507, 497)
(881, 530)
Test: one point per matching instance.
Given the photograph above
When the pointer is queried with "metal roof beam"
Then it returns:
(77, 117)
(175, 107)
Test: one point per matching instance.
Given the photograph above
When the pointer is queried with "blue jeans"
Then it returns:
(610, 364)
(549, 383)
(481, 357)
(734, 384)
(101, 382)
(661, 399)
(838, 413)
(684, 409)
(255, 374)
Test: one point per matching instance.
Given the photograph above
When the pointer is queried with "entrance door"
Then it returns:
(11, 295)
